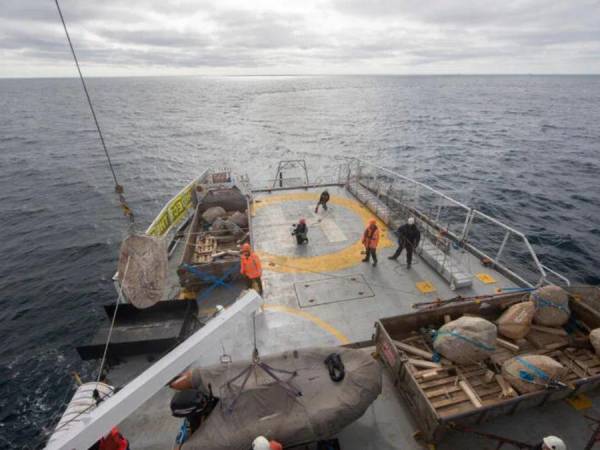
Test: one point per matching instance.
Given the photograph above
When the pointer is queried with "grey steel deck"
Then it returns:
(305, 304)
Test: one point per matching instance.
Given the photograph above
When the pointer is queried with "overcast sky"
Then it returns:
(155, 37)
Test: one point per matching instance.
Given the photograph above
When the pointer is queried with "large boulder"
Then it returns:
(514, 323)
(531, 373)
(213, 213)
(466, 340)
(551, 306)
(240, 219)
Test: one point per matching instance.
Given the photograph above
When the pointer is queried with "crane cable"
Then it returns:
(118, 187)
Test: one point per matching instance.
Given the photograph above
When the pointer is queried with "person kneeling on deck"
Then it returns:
(301, 232)
(370, 240)
(551, 443)
(323, 199)
(251, 268)
(262, 443)
(409, 237)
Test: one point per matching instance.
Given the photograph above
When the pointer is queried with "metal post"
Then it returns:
(467, 224)
(501, 249)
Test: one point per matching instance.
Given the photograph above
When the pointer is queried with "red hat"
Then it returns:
(303, 220)
(372, 222)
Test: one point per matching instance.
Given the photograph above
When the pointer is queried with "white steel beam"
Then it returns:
(99, 421)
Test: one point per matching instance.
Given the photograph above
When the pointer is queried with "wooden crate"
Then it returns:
(468, 394)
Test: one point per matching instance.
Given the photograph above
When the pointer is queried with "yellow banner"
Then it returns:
(176, 210)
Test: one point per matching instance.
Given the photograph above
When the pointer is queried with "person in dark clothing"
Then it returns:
(408, 237)
(323, 201)
(301, 232)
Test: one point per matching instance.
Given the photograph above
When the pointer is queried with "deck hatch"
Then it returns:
(332, 290)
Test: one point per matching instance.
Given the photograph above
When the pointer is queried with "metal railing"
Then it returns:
(506, 248)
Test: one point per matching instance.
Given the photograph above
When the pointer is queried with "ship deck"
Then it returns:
(322, 294)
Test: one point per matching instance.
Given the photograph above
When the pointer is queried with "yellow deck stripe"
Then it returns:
(314, 319)
(331, 262)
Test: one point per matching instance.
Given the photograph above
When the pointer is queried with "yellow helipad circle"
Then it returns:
(342, 259)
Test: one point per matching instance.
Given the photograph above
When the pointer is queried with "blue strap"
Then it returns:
(202, 276)
(184, 432)
(536, 370)
(471, 341)
(544, 303)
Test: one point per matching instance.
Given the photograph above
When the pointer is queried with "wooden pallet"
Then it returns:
(205, 247)
(452, 389)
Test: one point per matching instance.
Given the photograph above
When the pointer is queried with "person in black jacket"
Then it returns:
(322, 201)
(301, 232)
(408, 237)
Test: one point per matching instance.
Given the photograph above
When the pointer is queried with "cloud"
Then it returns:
(312, 36)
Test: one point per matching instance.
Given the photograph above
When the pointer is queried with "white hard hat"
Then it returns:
(261, 443)
(554, 443)
(411, 220)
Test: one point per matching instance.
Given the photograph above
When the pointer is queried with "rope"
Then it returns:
(543, 303)
(526, 376)
(471, 341)
(118, 187)
(112, 324)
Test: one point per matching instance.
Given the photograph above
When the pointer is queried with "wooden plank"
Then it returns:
(414, 350)
(446, 380)
(507, 390)
(464, 385)
(430, 374)
(507, 345)
(421, 363)
(556, 331)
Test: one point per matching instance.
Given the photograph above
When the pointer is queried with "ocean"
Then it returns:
(525, 149)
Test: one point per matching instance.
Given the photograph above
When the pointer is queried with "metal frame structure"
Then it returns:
(99, 421)
(286, 165)
(416, 196)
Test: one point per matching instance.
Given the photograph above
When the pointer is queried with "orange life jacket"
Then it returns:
(113, 441)
(250, 266)
(371, 237)
(275, 445)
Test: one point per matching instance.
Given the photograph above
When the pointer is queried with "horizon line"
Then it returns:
(304, 75)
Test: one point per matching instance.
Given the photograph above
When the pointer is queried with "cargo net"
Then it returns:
(142, 269)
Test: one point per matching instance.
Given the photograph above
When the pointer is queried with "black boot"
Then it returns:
(393, 258)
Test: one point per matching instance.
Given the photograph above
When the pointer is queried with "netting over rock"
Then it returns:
(265, 407)
(514, 323)
(213, 213)
(551, 306)
(466, 340)
(145, 260)
(531, 373)
(240, 219)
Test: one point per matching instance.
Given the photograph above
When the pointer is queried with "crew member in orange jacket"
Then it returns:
(370, 240)
(251, 268)
(113, 441)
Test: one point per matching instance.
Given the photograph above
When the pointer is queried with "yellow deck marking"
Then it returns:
(485, 278)
(425, 287)
(331, 262)
(580, 402)
(314, 319)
